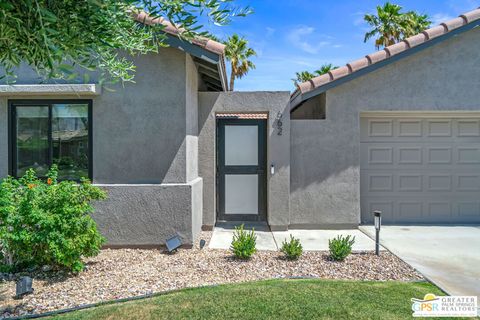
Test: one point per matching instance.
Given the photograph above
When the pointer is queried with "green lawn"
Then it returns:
(275, 299)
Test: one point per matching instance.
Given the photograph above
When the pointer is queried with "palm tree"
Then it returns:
(386, 25)
(326, 68)
(238, 53)
(415, 23)
(390, 25)
(304, 76)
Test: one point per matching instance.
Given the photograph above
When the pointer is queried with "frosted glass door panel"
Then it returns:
(241, 145)
(241, 194)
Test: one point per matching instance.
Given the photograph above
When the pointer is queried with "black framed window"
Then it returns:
(46, 132)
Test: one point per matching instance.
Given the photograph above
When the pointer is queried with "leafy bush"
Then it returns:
(292, 249)
(46, 222)
(243, 243)
(340, 247)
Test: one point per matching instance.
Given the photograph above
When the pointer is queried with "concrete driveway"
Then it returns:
(448, 256)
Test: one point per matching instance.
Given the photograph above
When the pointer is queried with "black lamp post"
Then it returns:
(378, 223)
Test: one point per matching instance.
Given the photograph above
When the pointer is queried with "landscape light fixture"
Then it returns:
(24, 287)
(378, 223)
(173, 243)
(202, 243)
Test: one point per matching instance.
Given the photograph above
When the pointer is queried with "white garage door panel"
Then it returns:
(418, 169)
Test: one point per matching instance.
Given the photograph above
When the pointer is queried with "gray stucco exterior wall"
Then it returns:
(160, 147)
(191, 123)
(137, 122)
(325, 164)
(278, 148)
(145, 151)
(146, 215)
(143, 124)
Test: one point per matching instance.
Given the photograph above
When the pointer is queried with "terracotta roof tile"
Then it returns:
(397, 48)
(416, 40)
(321, 80)
(435, 32)
(454, 23)
(377, 56)
(358, 64)
(471, 16)
(306, 86)
(239, 115)
(339, 72)
(389, 51)
(205, 43)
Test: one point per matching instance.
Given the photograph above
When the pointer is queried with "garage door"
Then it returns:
(420, 168)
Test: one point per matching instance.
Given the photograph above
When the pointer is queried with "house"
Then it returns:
(396, 131)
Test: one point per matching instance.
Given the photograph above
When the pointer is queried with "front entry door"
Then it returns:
(241, 176)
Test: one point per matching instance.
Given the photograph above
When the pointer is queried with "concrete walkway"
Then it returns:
(223, 234)
(448, 256)
(311, 240)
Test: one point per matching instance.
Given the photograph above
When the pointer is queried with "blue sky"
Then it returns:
(295, 35)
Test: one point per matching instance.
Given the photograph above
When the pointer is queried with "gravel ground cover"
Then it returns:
(116, 274)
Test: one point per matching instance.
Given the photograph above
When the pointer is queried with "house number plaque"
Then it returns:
(279, 123)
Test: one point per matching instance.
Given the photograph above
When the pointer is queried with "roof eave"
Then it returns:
(201, 53)
(300, 98)
(222, 69)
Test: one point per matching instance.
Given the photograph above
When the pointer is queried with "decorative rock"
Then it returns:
(46, 268)
(116, 274)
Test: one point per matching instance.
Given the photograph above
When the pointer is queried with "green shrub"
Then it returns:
(243, 243)
(340, 247)
(45, 222)
(292, 249)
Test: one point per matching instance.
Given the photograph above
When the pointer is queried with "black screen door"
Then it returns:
(241, 170)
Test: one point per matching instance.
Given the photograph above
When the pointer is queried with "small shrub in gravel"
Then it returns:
(292, 249)
(45, 222)
(244, 243)
(340, 247)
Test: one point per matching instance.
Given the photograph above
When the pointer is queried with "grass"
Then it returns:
(274, 299)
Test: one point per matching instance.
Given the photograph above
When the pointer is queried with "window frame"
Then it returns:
(12, 132)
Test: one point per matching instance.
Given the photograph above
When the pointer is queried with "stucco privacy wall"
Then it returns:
(325, 162)
(165, 132)
(141, 152)
(278, 148)
(144, 215)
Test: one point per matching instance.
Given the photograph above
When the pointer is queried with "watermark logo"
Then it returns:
(444, 306)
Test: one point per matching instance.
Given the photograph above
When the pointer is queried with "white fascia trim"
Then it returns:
(50, 89)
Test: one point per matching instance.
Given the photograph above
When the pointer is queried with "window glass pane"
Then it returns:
(241, 194)
(32, 139)
(241, 145)
(70, 140)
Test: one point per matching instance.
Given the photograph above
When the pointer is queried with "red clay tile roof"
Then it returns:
(229, 115)
(205, 43)
(388, 52)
